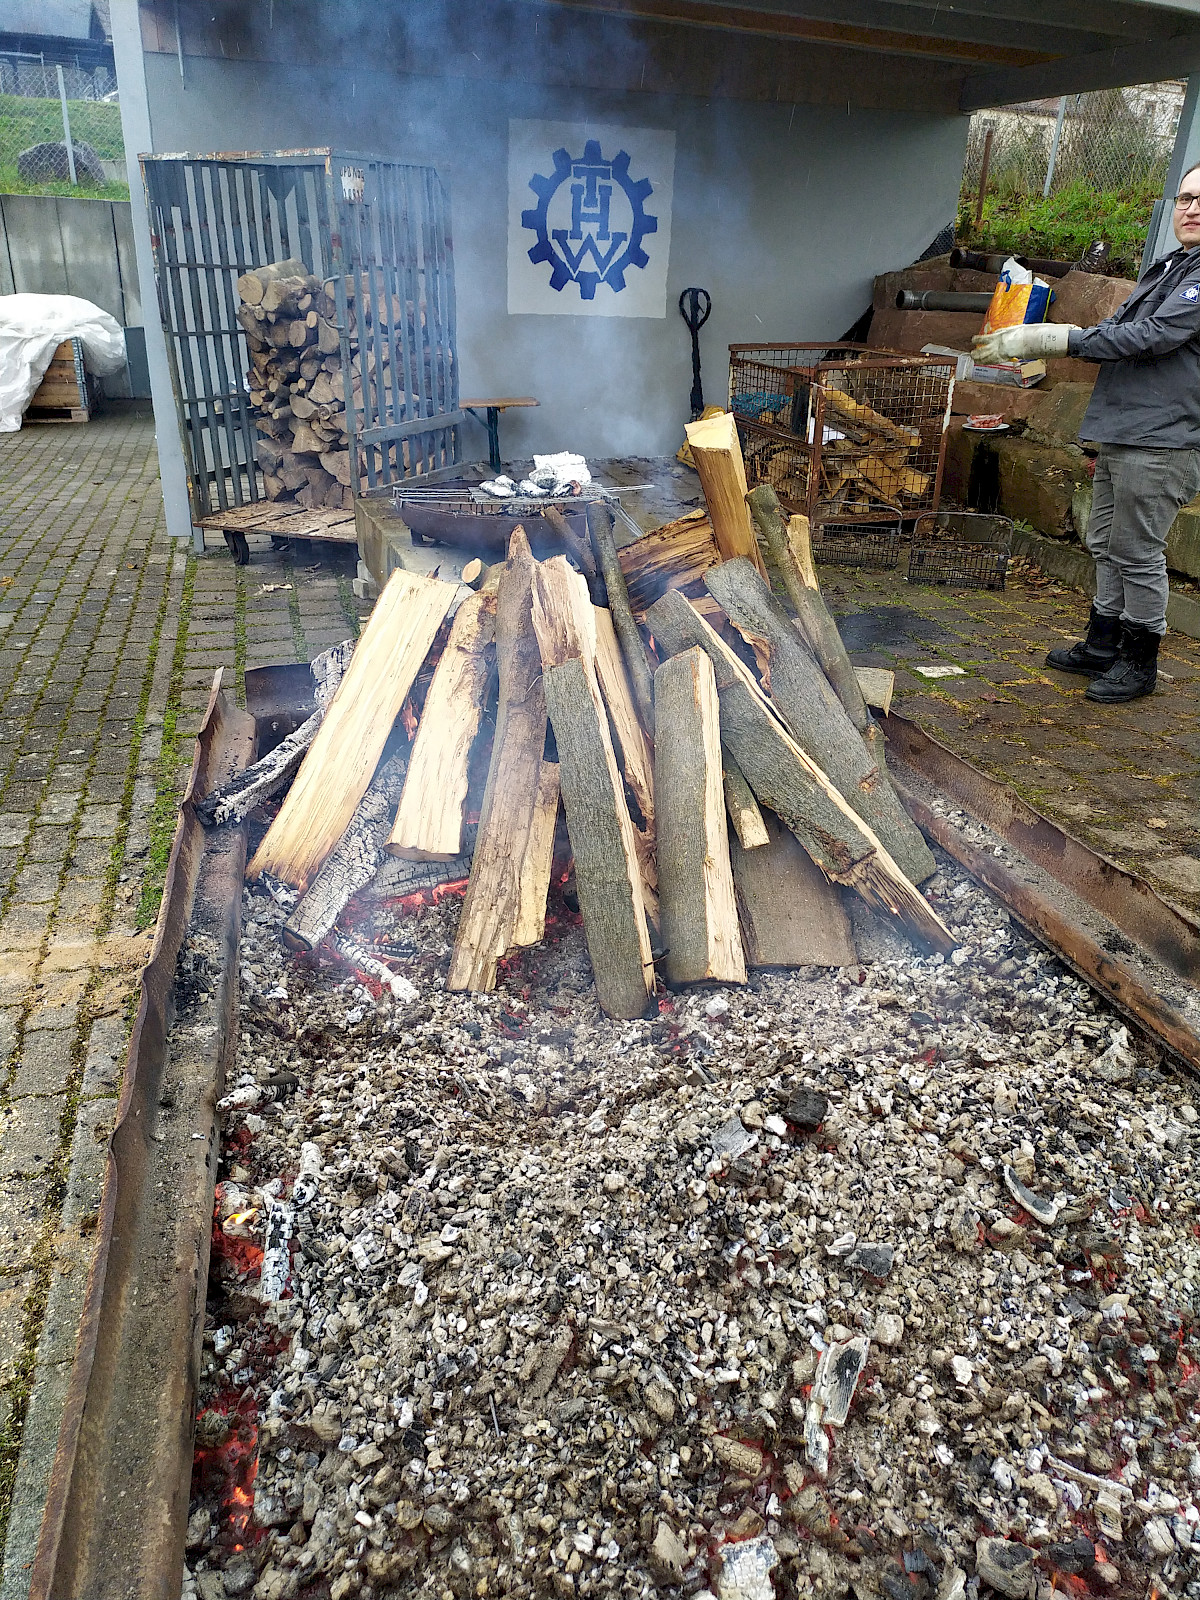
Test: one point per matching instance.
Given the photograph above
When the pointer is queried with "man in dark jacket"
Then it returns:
(1144, 416)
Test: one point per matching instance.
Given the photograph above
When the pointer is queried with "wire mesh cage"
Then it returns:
(961, 550)
(842, 433)
(858, 544)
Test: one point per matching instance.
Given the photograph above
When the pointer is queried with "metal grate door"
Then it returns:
(380, 230)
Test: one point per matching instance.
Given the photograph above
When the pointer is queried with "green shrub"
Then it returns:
(1061, 227)
(25, 121)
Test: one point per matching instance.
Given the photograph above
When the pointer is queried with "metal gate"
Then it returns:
(381, 225)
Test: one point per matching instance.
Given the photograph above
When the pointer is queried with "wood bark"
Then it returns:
(634, 651)
(491, 907)
(351, 864)
(792, 784)
(235, 800)
(429, 821)
(718, 457)
(343, 756)
(816, 717)
(741, 805)
(791, 915)
(608, 874)
(539, 857)
(699, 913)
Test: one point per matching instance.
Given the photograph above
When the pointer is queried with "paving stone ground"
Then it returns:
(109, 635)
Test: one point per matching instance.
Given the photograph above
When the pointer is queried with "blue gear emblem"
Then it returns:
(594, 227)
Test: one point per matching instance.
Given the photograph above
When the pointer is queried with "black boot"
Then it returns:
(1094, 654)
(1135, 671)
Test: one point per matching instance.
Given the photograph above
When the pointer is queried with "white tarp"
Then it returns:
(32, 326)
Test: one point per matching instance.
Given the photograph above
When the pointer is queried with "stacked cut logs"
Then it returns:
(296, 379)
(719, 775)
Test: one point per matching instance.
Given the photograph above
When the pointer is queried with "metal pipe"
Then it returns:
(983, 173)
(941, 300)
(62, 96)
(973, 261)
(1054, 144)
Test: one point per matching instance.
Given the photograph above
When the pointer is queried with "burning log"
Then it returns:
(792, 784)
(815, 715)
(675, 556)
(429, 822)
(699, 912)
(791, 915)
(491, 910)
(235, 800)
(342, 758)
(607, 873)
(741, 805)
(718, 457)
(634, 651)
(352, 862)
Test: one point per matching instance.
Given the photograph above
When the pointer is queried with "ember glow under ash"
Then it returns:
(564, 1291)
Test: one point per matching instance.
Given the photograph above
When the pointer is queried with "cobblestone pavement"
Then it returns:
(1125, 779)
(109, 636)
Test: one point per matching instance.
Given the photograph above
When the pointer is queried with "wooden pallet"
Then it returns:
(64, 394)
(282, 520)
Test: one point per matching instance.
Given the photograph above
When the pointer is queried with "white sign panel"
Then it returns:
(589, 219)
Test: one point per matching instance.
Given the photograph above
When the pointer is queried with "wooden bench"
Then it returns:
(492, 421)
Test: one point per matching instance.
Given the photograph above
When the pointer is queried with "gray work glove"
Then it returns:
(1029, 342)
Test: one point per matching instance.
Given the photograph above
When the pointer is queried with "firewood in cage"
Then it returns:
(539, 858)
(492, 904)
(787, 780)
(351, 864)
(235, 800)
(674, 556)
(346, 750)
(718, 457)
(743, 808)
(815, 716)
(633, 747)
(429, 822)
(580, 552)
(791, 914)
(695, 880)
(791, 550)
(608, 873)
(600, 526)
(251, 286)
(839, 404)
(329, 340)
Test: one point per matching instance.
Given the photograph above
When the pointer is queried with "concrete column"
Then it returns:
(139, 140)
(1160, 240)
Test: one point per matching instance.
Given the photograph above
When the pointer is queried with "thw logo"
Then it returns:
(590, 220)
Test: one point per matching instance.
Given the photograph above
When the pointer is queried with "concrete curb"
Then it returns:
(1071, 564)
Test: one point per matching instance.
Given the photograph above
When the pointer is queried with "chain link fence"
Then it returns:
(60, 129)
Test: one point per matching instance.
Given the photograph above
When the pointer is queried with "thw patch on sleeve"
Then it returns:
(1192, 292)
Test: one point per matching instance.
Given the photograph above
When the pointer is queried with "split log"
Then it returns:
(792, 784)
(791, 915)
(675, 556)
(580, 552)
(429, 822)
(352, 862)
(600, 525)
(235, 800)
(634, 748)
(741, 805)
(607, 873)
(816, 717)
(539, 858)
(718, 457)
(847, 408)
(791, 550)
(699, 912)
(491, 907)
(346, 751)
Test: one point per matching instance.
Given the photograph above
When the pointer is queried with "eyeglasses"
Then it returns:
(1185, 202)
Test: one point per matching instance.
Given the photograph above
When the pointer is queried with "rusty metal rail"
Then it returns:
(1107, 924)
(116, 1512)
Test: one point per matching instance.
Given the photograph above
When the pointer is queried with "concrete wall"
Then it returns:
(784, 212)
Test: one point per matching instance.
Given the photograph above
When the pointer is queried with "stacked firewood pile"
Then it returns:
(296, 381)
(721, 777)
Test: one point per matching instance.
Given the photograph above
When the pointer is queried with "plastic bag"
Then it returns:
(32, 326)
(1018, 297)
